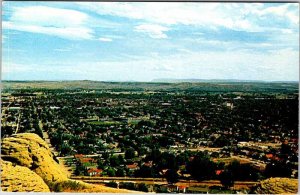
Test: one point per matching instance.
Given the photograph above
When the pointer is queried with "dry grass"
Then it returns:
(277, 186)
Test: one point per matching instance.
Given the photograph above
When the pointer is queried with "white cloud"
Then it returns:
(67, 32)
(236, 16)
(63, 23)
(281, 11)
(163, 67)
(105, 39)
(153, 30)
(276, 65)
(13, 67)
(43, 15)
(3, 38)
(205, 14)
(244, 65)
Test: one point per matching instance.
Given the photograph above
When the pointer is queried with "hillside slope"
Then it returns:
(31, 162)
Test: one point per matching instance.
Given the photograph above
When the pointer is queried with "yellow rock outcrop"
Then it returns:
(29, 150)
(277, 186)
(15, 178)
(32, 166)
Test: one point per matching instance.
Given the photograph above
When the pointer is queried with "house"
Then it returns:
(148, 164)
(86, 160)
(94, 172)
(181, 189)
(78, 155)
(269, 156)
(218, 172)
(133, 166)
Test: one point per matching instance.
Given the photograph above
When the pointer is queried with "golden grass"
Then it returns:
(277, 186)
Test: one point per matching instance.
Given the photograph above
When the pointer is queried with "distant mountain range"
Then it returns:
(162, 80)
(161, 85)
(170, 80)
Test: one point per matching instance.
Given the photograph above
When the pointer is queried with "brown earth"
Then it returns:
(33, 168)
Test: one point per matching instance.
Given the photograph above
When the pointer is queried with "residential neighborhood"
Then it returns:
(174, 135)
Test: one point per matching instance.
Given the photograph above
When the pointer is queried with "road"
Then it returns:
(6, 108)
(89, 155)
(18, 123)
(161, 150)
(99, 180)
(47, 139)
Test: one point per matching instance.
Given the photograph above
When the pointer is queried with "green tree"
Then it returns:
(226, 179)
(278, 169)
(142, 187)
(105, 155)
(80, 170)
(65, 149)
(201, 167)
(172, 176)
(114, 161)
(129, 153)
(121, 159)
(100, 163)
(111, 172)
(167, 161)
(120, 172)
(112, 184)
(145, 172)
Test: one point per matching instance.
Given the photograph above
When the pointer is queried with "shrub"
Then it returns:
(63, 186)
(112, 184)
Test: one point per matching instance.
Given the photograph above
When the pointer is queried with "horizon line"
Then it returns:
(163, 80)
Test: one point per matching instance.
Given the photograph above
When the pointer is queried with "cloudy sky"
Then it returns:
(145, 41)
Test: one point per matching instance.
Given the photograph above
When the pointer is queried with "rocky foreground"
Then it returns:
(27, 165)
(277, 186)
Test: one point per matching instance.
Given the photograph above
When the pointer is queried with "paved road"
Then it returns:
(98, 180)
(18, 123)
(162, 150)
(6, 108)
(89, 155)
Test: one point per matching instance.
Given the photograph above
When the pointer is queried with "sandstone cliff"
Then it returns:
(15, 178)
(28, 165)
(277, 186)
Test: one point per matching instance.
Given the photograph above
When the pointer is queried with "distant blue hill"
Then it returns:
(166, 80)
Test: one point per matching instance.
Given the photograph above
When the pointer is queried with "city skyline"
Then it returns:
(146, 41)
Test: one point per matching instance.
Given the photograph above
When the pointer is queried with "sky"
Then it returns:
(143, 41)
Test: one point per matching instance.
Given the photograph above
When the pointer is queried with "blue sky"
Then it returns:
(145, 41)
